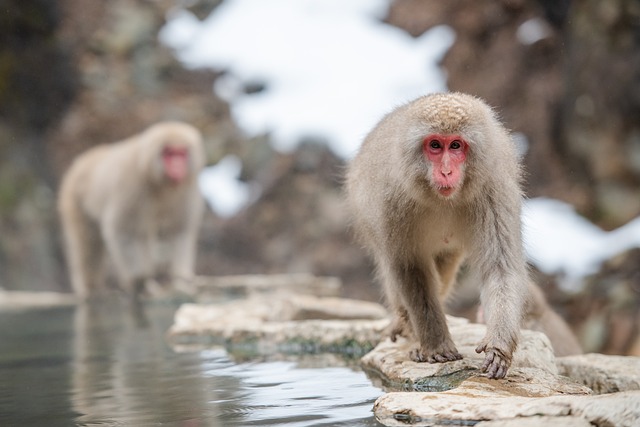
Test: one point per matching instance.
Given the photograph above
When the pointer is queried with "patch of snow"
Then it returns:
(560, 241)
(222, 189)
(330, 68)
(533, 30)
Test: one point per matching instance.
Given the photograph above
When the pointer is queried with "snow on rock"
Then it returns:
(330, 69)
(560, 241)
(222, 189)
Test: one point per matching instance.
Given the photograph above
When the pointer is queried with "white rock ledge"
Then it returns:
(283, 323)
(532, 394)
(602, 373)
(209, 288)
(463, 406)
(17, 300)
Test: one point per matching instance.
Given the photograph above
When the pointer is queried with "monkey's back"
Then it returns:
(77, 180)
(94, 178)
(371, 181)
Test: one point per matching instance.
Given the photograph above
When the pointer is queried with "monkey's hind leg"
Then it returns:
(448, 264)
(85, 254)
(400, 325)
(131, 257)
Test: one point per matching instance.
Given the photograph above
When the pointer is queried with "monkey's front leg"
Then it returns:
(418, 290)
(502, 304)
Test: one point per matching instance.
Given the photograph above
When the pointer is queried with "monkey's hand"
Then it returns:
(496, 362)
(445, 352)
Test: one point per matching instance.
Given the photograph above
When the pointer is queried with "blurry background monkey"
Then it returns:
(138, 202)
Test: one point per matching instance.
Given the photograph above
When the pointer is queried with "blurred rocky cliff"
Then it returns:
(75, 73)
(564, 73)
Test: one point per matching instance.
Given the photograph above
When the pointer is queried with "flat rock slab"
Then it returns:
(391, 360)
(532, 394)
(464, 406)
(283, 323)
(24, 299)
(212, 287)
(537, 421)
(602, 373)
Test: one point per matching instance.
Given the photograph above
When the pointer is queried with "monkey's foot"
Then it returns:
(446, 352)
(395, 332)
(396, 329)
(399, 327)
(496, 362)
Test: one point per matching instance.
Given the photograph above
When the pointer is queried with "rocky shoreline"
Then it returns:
(584, 390)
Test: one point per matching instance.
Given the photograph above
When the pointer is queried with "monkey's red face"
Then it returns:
(176, 163)
(447, 154)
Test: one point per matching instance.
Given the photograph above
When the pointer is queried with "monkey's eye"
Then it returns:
(435, 144)
(455, 145)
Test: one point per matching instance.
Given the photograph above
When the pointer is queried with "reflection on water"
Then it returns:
(103, 365)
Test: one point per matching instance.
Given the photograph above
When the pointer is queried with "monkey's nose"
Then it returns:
(446, 172)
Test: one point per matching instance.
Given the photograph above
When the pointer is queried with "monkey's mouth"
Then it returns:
(446, 191)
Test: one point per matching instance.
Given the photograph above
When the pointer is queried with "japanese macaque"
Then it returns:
(138, 202)
(437, 183)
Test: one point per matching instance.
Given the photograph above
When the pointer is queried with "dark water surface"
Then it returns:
(107, 366)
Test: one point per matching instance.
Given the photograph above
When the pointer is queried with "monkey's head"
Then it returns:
(175, 162)
(445, 155)
(177, 152)
(452, 134)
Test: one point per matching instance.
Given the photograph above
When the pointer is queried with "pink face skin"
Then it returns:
(447, 154)
(176, 163)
